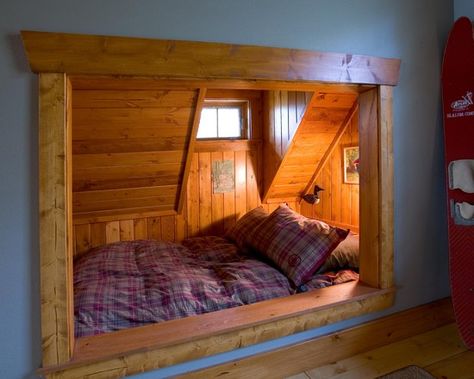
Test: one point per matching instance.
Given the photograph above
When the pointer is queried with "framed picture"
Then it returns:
(223, 176)
(351, 164)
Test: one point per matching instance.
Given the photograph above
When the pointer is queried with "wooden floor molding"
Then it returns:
(335, 346)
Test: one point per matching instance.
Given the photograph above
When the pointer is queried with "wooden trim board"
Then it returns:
(95, 55)
(157, 346)
(334, 346)
(55, 207)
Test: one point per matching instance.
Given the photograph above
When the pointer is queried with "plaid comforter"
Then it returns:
(134, 283)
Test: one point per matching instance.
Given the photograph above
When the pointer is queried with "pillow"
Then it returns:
(240, 232)
(345, 255)
(296, 244)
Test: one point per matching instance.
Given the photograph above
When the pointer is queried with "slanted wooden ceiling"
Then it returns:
(130, 149)
(325, 119)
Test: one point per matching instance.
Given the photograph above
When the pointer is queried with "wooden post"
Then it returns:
(369, 188)
(55, 205)
(385, 185)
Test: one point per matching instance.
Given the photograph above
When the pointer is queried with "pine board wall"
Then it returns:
(339, 201)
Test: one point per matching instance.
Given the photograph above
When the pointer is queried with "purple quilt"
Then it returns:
(134, 283)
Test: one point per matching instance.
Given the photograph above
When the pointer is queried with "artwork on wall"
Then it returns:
(222, 176)
(351, 164)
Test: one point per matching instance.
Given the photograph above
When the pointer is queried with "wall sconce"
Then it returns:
(313, 198)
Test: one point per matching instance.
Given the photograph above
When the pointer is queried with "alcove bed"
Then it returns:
(93, 88)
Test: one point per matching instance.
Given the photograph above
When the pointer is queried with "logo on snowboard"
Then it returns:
(460, 105)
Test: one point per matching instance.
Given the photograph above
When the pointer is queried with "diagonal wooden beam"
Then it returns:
(331, 147)
(189, 153)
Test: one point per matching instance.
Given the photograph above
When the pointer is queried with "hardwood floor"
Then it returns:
(425, 336)
(439, 351)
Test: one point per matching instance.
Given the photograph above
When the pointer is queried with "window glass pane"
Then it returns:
(208, 123)
(229, 122)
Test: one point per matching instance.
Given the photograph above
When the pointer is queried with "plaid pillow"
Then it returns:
(240, 232)
(296, 244)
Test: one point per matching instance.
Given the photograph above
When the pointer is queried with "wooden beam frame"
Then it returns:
(189, 153)
(95, 55)
(62, 55)
(55, 208)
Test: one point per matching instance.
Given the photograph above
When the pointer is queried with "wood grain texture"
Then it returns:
(89, 54)
(318, 133)
(339, 202)
(115, 167)
(421, 350)
(55, 220)
(334, 346)
(190, 150)
(369, 188)
(155, 346)
(330, 148)
(385, 113)
(277, 141)
(152, 83)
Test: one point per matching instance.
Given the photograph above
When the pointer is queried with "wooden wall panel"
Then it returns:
(339, 201)
(205, 213)
(214, 213)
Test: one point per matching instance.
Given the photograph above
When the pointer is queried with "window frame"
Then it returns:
(245, 117)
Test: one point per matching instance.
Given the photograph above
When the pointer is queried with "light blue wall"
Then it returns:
(464, 8)
(414, 31)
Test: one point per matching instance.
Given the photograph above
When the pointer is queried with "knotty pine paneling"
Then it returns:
(204, 213)
(283, 111)
(87, 236)
(213, 213)
(339, 201)
(129, 148)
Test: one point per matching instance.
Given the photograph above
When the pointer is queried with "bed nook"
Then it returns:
(173, 177)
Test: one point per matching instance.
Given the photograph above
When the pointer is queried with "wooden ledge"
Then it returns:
(225, 330)
(106, 55)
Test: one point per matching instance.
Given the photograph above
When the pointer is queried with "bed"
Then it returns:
(134, 283)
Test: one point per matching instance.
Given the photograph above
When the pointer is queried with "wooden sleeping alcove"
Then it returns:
(119, 160)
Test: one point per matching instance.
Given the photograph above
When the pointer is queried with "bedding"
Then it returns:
(345, 255)
(244, 226)
(296, 244)
(134, 283)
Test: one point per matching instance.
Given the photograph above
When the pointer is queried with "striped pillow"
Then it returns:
(240, 232)
(296, 244)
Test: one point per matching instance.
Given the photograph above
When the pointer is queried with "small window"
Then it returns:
(223, 120)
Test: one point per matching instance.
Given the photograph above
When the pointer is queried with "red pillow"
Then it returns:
(240, 232)
(296, 244)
